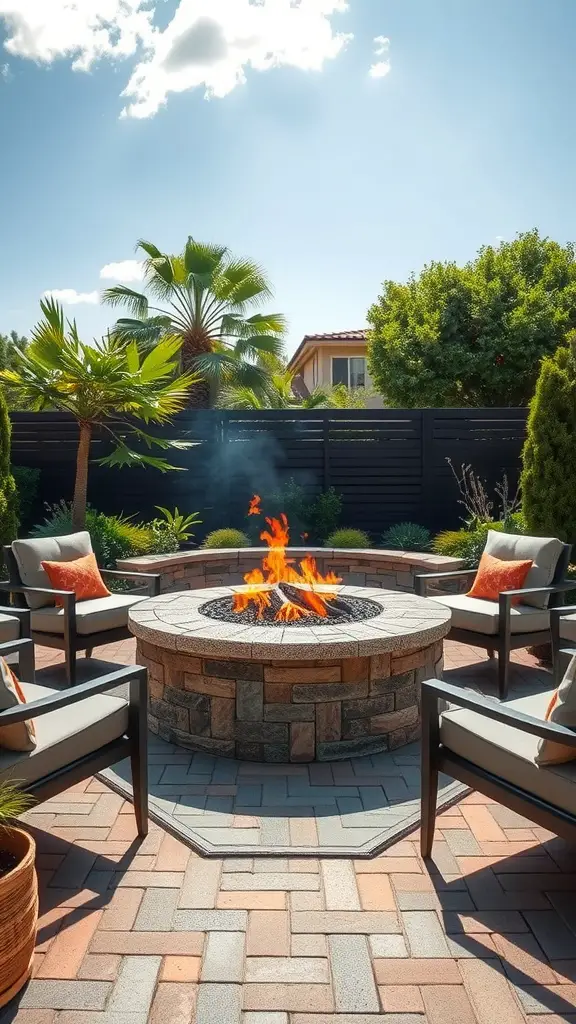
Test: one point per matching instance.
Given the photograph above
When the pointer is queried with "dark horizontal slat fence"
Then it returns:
(389, 465)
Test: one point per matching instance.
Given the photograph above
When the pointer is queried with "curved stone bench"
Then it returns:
(193, 570)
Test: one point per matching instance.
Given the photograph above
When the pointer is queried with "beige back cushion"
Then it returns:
(21, 735)
(563, 713)
(543, 551)
(30, 553)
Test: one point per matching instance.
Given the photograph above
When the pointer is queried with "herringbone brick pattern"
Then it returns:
(151, 933)
(134, 932)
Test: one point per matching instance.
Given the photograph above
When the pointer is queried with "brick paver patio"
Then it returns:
(135, 932)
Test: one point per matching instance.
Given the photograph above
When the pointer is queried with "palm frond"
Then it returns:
(121, 295)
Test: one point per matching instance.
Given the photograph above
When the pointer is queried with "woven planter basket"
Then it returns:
(18, 914)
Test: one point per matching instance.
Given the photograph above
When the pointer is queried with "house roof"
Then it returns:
(319, 339)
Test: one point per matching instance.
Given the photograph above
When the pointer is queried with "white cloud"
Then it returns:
(84, 30)
(381, 68)
(5, 73)
(70, 297)
(126, 271)
(208, 44)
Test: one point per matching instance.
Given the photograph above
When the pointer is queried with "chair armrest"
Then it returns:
(566, 609)
(150, 579)
(554, 588)
(19, 588)
(25, 651)
(435, 690)
(23, 614)
(421, 580)
(73, 695)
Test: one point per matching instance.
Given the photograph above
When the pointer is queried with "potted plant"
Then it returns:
(18, 894)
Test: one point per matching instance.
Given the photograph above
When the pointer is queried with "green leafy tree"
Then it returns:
(549, 467)
(10, 347)
(98, 382)
(474, 335)
(8, 493)
(203, 296)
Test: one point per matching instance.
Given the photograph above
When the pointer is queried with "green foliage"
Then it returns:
(407, 537)
(113, 537)
(99, 381)
(204, 295)
(347, 538)
(470, 543)
(8, 493)
(226, 538)
(13, 803)
(10, 345)
(27, 480)
(310, 519)
(549, 466)
(474, 335)
(179, 524)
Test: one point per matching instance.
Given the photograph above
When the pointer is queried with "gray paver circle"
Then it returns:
(175, 621)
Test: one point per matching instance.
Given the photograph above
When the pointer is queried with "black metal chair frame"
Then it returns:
(23, 616)
(561, 651)
(504, 641)
(438, 758)
(134, 744)
(69, 640)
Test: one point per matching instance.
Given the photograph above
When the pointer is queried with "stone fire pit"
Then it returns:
(293, 692)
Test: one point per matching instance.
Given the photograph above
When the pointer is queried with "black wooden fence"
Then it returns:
(389, 465)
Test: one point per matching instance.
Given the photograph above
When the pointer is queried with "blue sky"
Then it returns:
(331, 178)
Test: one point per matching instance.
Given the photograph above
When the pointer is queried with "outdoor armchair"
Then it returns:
(14, 624)
(79, 731)
(502, 625)
(76, 625)
(563, 631)
(491, 748)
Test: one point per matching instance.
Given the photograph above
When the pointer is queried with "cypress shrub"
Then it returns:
(8, 493)
(549, 460)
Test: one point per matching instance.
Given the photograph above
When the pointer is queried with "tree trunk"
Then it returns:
(196, 343)
(81, 482)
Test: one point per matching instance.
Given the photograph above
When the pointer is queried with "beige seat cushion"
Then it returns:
(30, 553)
(9, 628)
(568, 627)
(65, 735)
(509, 753)
(543, 551)
(482, 616)
(562, 712)
(94, 616)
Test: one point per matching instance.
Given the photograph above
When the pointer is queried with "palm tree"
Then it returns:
(205, 295)
(95, 383)
(279, 394)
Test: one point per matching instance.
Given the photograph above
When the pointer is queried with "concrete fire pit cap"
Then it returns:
(175, 621)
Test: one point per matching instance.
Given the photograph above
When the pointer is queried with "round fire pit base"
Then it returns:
(298, 695)
(282, 711)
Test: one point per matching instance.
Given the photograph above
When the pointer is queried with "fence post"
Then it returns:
(427, 443)
(326, 448)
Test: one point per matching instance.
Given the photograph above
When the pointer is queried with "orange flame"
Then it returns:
(314, 589)
(254, 508)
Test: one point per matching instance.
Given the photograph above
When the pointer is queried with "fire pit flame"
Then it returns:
(280, 589)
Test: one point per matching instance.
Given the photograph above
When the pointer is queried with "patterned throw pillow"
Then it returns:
(494, 576)
(81, 575)
(20, 736)
(562, 710)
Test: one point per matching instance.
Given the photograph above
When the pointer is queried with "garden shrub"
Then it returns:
(8, 493)
(407, 537)
(347, 538)
(113, 537)
(27, 480)
(226, 538)
(549, 468)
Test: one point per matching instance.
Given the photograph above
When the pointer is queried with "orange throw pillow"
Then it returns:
(81, 575)
(494, 575)
(20, 736)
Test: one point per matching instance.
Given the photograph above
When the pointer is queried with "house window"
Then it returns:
(349, 371)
